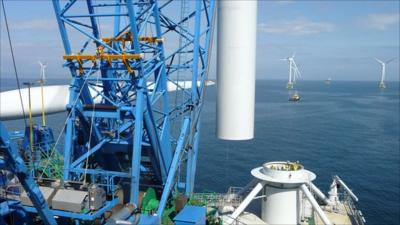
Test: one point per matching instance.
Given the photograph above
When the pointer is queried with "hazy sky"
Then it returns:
(331, 39)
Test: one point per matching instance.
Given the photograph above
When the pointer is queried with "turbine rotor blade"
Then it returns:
(379, 61)
(390, 60)
(297, 73)
(296, 69)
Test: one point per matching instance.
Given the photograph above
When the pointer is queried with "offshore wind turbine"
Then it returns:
(42, 71)
(294, 72)
(383, 64)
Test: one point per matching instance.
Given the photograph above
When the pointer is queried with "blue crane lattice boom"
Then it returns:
(124, 129)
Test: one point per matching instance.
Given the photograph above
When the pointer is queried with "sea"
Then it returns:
(346, 128)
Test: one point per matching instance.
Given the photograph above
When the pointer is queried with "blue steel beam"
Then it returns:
(89, 216)
(196, 43)
(174, 166)
(2, 164)
(137, 146)
(162, 78)
(138, 132)
(194, 151)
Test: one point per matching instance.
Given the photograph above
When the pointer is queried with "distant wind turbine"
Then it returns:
(383, 64)
(294, 72)
(42, 71)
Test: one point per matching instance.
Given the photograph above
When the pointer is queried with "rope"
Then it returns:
(65, 123)
(90, 135)
(93, 108)
(13, 59)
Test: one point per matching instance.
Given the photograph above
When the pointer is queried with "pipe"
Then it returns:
(245, 202)
(315, 205)
(248, 186)
(121, 215)
(319, 193)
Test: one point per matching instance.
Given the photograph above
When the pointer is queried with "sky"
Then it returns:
(336, 39)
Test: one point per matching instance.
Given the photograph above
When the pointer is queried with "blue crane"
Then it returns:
(139, 72)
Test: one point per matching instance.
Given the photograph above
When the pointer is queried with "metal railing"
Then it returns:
(231, 198)
(354, 213)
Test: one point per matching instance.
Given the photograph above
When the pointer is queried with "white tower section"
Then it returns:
(282, 201)
(236, 63)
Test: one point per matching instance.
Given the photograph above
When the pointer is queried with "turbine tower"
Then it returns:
(383, 64)
(294, 72)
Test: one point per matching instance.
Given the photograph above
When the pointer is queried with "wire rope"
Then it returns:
(90, 134)
(13, 60)
(65, 123)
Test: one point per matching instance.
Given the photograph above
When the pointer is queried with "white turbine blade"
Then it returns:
(379, 61)
(283, 59)
(390, 60)
(294, 54)
(295, 67)
(298, 74)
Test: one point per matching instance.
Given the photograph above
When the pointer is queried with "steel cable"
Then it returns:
(13, 60)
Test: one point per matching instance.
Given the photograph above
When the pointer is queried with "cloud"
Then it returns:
(295, 27)
(380, 21)
(37, 24)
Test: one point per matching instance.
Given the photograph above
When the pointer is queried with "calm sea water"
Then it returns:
(347, 128)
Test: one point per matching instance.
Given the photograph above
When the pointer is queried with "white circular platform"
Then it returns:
(283, 173)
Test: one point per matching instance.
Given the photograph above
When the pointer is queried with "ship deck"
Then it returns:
(339, 215)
